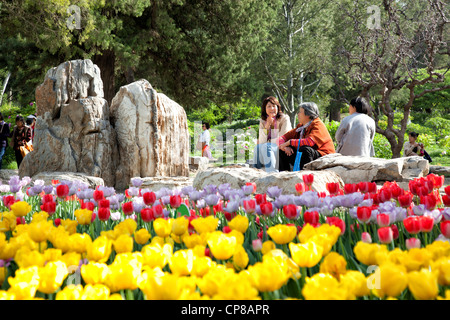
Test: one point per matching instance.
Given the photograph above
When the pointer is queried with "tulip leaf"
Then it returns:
(182, 210)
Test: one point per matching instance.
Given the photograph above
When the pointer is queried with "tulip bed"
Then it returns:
(68, 241)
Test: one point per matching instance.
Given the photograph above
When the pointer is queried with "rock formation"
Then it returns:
(152, 134)
(73, 131)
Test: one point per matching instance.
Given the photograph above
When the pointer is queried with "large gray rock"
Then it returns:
(47, 177)
(238, 176)
(152, 134)
(354, 169)
(73, 131)
(157, 183)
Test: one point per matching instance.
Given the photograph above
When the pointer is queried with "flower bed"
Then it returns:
(67, 241)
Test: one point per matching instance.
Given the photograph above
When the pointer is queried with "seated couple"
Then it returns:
(278, 142)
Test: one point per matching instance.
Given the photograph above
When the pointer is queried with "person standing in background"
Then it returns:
(5, 133)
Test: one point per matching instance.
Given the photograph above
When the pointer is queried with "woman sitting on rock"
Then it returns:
(272, 125)
(310, 136)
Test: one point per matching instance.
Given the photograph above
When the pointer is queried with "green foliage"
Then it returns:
(382, 147)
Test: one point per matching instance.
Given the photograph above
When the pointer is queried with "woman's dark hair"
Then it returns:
(275, 102)
(360, 104)
(20, 118)
(413, 134)
(206, 124)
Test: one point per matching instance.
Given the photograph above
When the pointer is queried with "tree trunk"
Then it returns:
(106, 62)
(335, 113)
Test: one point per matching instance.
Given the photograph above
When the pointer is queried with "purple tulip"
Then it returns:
(248, 189)
(47, 189)
(232, 206)
(210, 189)
(14, 188)
(419, 210)
(187, 190)
(136, 182)
(223, 188)
(196, 195)
(212, 199)
(274, 192)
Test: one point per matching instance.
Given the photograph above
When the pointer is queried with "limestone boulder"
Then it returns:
(354, 169)
(152, 134)
(237, 177)
(198, 163)
(73, 131)
(157, 183)
(90, 181)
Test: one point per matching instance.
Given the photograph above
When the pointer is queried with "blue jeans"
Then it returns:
(2, 153)
(265, 156)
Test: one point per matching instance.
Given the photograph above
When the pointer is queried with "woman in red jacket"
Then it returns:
(310, 136)
(21, 135)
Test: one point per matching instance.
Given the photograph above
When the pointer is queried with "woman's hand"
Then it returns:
(286, 147)
(269, 122)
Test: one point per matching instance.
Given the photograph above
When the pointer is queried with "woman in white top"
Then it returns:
(272, 125)
(205, 139)
(356, 131)
(412, 147)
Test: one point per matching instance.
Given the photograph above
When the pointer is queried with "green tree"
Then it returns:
(195, 51)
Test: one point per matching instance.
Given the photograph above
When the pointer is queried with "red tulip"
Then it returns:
(9, 200)
(311, 217)
(20, 220)
(429, 201)
(49, 207)
(300, 188)
(396, 191)
(158, 211)
(438, 181)
(426, 223)
(218, 208)
(290, 211)
(394, 231)
(350, 188)
(226, 229)
(405, 200)
(207, 252)
(104, 203)
(127, 208)
(446, 200)
(385, 235)
(249, 206)
(47, 198)
(104, 213)
(308, 179)
(445, 228)
(338, 222)
(447, 190)
(147, 214)
(374, 196)
(333, 187)
(364, 213)
(204, 212)
(412, 224)
(87, 205)
(175, 201)
(98, 195)
(385, 195)
(229, 216)
(383, 220)
(260, 198)
(62, 191)
(412, 243)
(266, 208)
(423, 191)
(149, 198)
(93, 216)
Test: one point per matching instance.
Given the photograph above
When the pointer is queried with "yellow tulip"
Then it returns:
(367, 252)
(3, 272)
(355, 282)
(205, 225)
(79, 242)
(237, 235)
(390, 280)
(6, 295)
(222, 247)
(142, 236)
(127, 226)
(192, 240)
(439, 249)
(269, 275)
(306, 255)
(69, 225)
(181, 262)
(52, 254)
(334, 264)
(201, 265)
(323, 286)
(40, 216)
(70, 292)
(39, 231)
(156, 255)
(417, 258)
(95, 292)
(157, 285)
(25, 282)
(84, 216)
(99, 250)
(124, 272)
(7, 221)
(124, 243)
(71, 259)
(267, 246)
(442, 266)
(283, 259)
(446, 297)
(20, 208)
(240, 258)
(282, 234)
(423, 284)
(180, 226)
(162, 227)
(51, 276)
(214, 280)
(28, 258)
(94, 273)
(239, 287)
(239, 223)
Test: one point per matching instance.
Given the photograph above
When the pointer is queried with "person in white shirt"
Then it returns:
(205, 139)
(272, 125)
(356, 131)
